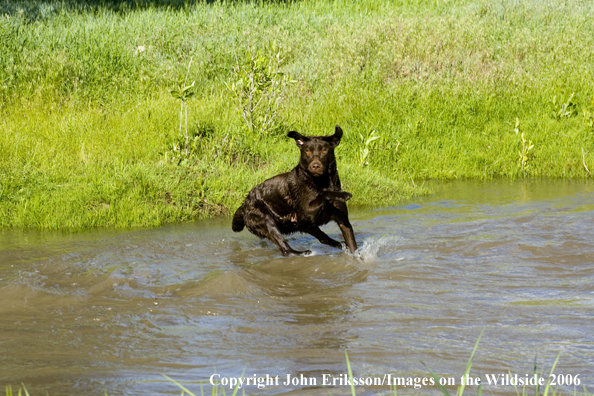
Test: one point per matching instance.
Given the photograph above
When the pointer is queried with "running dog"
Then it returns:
(301, 200)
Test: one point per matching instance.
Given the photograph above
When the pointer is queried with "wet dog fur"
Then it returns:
(301, 200)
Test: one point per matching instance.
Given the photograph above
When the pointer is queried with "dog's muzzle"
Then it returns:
(316, 168)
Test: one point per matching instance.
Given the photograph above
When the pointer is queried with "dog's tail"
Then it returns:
(238, 221)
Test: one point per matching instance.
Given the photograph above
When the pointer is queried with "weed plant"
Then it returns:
(88, 126)
(524, 391)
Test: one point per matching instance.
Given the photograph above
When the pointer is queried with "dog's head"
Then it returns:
(317, 152)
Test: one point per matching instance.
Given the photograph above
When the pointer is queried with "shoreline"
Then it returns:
(92, 136)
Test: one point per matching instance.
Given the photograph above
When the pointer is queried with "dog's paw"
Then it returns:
(337, 196)
(298, 253)
(343, 196)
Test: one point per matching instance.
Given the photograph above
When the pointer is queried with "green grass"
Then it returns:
(87, 121)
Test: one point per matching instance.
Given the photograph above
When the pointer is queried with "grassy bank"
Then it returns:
(90, 133)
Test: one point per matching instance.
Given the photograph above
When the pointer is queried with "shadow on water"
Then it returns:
(114, 309)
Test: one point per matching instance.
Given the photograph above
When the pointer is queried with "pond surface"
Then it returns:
(113, 310)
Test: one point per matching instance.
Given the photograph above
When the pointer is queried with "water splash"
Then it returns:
(374, 247)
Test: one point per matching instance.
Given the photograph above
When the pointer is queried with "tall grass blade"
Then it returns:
(350, 373)
(441, 387)
(549, 379)
(516, 388)
(537, 385)
(183, 388)
(237, 385)
(463, 384)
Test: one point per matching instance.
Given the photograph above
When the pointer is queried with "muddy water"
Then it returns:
(114, 309)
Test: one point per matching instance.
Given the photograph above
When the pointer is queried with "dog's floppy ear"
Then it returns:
(299, 138)
(334, 140)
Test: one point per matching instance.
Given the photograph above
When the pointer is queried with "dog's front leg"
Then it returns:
(341, 217)
(349, 236)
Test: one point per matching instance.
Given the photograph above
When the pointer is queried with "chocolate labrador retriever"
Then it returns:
(300, 200)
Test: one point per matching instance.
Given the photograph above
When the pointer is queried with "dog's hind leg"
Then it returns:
(261, 223)
(276, 237)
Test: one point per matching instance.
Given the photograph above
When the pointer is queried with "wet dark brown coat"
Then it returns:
(300, 200)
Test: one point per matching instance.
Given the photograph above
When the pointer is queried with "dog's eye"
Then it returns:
(308, 152)
(324, 152)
